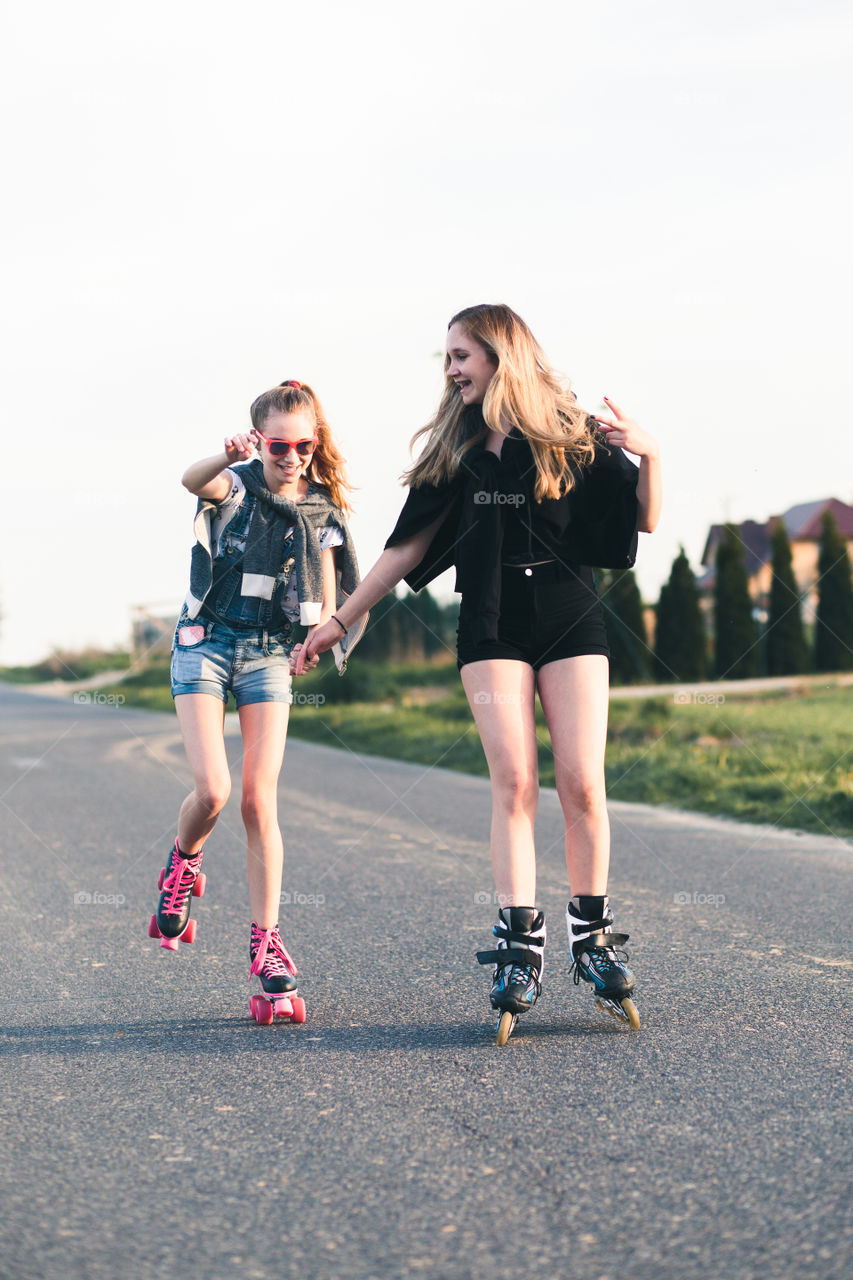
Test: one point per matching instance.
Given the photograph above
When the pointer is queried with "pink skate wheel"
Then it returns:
(188, 934)
(252, 1010)
(298, 1009)
(263, 1011)
(162, 877)
(199, 885)
(153, 928)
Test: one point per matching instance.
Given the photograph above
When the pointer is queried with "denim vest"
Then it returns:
(225, 604)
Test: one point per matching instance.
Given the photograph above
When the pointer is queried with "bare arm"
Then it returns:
(206, 478)
(390, 568)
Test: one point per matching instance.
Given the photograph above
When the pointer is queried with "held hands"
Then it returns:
(240, 447)
(625, 434)
(299, 662)
(318, 642)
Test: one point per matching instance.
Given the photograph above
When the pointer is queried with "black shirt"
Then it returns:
(492, 516)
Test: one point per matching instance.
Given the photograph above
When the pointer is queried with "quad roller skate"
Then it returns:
(593, 953)
(180, 880)
(277, 973)
(518, 960)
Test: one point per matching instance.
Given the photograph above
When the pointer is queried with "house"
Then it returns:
(803, 525)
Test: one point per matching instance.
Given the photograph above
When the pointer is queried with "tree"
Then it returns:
(786, 642)
(735, 632)
(834, 623)
(680, 636)
(626, 628)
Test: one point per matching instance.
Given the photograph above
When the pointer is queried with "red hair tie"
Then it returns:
(298, 385)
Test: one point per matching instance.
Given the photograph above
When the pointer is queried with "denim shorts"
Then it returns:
(253, 664)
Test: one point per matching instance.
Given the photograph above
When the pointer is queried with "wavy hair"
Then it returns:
(327, 466)
(524, 392)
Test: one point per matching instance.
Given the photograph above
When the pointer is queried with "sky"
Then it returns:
(203, 200)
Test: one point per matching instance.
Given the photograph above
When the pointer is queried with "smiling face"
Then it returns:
(469, 365)
(287, 468)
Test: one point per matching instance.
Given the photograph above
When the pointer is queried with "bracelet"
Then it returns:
(334, 618)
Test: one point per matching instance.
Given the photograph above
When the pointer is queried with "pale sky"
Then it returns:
(205, 199)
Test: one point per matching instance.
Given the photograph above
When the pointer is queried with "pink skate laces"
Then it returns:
(180, 880)
(271, 957)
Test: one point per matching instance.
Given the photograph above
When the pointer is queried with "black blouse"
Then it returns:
(594, 524)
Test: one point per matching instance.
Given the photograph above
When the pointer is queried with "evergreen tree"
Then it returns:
(409, 629)
(680, 637)
(834, 623)
(736, 635)
(626, 628)
(786, 641)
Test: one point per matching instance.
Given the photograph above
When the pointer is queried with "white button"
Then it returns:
(529, 573)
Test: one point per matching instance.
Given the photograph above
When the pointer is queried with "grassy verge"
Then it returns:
(782, 757)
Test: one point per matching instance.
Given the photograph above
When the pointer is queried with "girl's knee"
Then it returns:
(258, 805)
(582, 794)
(516, 791)
(212, 794)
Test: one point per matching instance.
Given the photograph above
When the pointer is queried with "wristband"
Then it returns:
(334, 618)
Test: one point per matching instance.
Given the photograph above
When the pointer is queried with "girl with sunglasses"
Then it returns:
(522, 491)
(272, 552)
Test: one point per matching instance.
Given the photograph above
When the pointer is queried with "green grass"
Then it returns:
(67, 665)
(781, 757)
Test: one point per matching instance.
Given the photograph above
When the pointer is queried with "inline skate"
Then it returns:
(519, 960)
(593, 953)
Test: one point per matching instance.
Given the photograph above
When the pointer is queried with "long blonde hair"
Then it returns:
(524, 392)
(327, 466)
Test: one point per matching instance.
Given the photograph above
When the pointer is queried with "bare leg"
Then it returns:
(264, 729)
(201, 717)
(574, 697)
(502, 694)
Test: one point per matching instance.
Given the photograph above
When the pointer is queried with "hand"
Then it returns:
(307, 664)
(239, 448)
(625, 434)
(318, 642)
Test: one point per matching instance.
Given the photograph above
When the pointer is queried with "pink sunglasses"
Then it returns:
(280, 448)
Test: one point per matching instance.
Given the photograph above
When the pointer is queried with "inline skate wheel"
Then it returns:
(298, 1014)
(188, 934)
(199, 885)
(631, 1013)
(506, 1025)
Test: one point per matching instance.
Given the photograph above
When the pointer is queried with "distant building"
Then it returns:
(803, 524)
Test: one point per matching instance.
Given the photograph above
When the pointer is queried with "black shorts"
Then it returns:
(548, 612)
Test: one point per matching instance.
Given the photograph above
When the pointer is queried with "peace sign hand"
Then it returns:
(625, 434)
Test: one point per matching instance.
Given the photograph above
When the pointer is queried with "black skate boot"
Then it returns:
(277, 973)
(180, 881)
(592, 950)
(519, 960)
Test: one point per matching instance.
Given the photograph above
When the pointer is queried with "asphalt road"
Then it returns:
(151, 1129)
